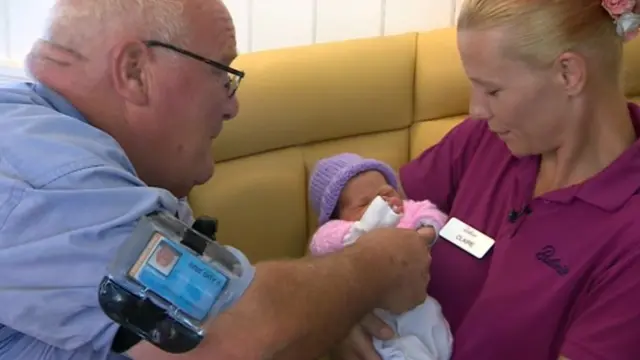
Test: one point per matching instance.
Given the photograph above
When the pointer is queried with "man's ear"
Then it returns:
(571, 72)
(130, 72)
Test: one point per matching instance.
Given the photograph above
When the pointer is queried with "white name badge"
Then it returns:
(467, 238)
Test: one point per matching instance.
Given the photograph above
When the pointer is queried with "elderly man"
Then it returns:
(127, 99)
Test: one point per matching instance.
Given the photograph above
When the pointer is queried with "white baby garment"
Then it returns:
(421, 333)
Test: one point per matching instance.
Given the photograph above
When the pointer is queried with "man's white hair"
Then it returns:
(74, 22)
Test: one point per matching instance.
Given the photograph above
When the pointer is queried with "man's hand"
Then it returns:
(428, 234)
(409, 263)
(410, 291)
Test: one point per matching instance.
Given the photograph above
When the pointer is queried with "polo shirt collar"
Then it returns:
(611, 188)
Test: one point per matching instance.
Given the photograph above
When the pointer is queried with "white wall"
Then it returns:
(268, 24)
(265, 24)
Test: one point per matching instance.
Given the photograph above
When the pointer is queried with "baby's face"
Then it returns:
(360, 192)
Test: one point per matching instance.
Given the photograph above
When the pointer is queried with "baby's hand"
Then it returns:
(395, 203)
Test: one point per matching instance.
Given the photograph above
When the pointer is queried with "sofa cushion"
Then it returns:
(260, 203)
(306, 94)
(441, 88)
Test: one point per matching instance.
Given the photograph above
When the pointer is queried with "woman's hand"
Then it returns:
(359, 344)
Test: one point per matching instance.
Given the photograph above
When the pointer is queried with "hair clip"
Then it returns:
(628, 25)
(626, 19)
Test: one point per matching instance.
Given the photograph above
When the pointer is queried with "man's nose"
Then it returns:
(233, 107)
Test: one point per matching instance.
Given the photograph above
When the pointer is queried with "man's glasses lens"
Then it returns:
(233, 84)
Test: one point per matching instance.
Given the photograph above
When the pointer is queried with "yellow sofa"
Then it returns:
(385, 97)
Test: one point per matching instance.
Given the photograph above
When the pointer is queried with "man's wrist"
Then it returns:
(256, 310)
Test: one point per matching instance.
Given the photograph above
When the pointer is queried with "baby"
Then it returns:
(352, 196)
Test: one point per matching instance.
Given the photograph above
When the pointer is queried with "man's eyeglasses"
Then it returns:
(235, 76)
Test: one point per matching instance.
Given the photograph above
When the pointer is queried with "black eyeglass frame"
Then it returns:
(240, 74)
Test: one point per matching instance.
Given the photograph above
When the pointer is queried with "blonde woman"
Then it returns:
(544, 175)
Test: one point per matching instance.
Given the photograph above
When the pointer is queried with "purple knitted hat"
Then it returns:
(331, 174)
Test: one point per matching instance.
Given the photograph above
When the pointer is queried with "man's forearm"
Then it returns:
(299, 309)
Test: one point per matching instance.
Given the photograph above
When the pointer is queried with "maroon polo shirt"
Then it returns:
(562, 278)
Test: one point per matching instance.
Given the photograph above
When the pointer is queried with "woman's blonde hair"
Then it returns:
(540, 30)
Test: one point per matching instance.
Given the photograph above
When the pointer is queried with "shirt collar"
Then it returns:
(611, 188)
(57, 101)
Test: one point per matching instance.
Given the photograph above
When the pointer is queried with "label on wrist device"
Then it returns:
(178, 276)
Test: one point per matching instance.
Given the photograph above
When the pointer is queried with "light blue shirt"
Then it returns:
(69, 197)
